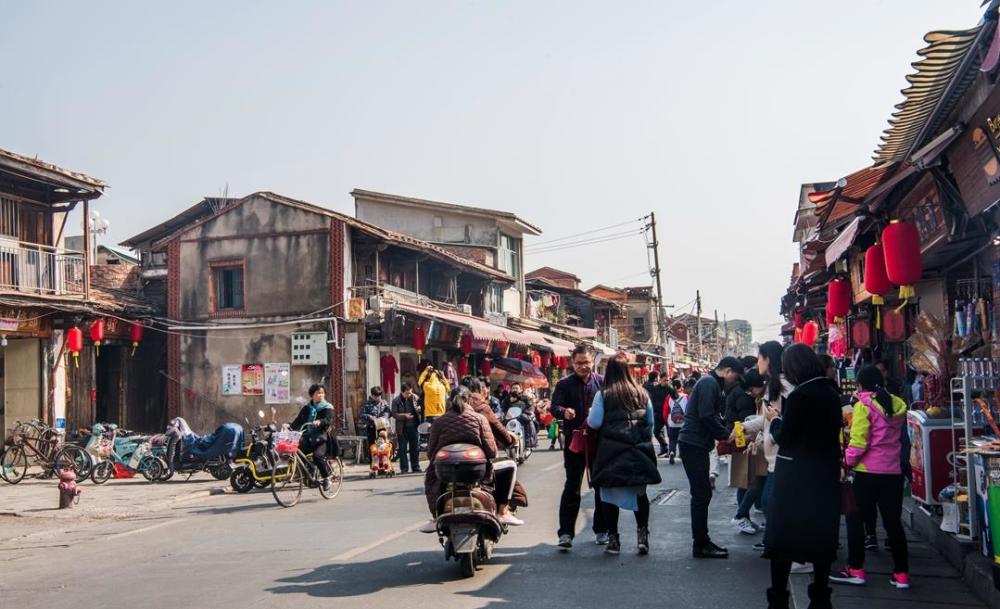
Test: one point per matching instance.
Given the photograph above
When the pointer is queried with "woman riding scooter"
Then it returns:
(319, 437)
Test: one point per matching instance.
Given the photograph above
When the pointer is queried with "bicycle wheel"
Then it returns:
(102, 472)
(287, 482)
(75, 458)
(336, 478)
(151, 468)
(13, 464)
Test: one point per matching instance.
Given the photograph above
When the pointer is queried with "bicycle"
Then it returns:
(287, 480)
(42, 445)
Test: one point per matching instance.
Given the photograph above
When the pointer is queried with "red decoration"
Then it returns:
(501, 346)
(894, 326)
(74, 342)
(466, 342)
(797, 337)
(903, 265)
(838, 299)
(546, 360)
(810, 333)
(97, 334)
(419, 340)
(861, 334)
(486, 367)
(135, 335)
(876, 279)
(798, 318)
(536, 360)
(463, 367)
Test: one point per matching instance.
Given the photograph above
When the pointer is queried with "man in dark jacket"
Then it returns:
(703, 426)
(658, 387)
(571, 400)
(406, 411)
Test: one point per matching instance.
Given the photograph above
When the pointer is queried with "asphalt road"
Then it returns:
(362, 549)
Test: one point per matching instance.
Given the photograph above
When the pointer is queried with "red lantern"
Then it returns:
(903, 265)
(463, 367)
(798, 318)
(486, 367)
(419, 340)
(501, 347)
(97, 334)
(838, 299)
(536, 359)
(466, 342)
(546, 360)
(74, 342)
(135, 335)
(876, 279)
(810, 333)
(797, 337)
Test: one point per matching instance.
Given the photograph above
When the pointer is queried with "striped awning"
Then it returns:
(948, 66)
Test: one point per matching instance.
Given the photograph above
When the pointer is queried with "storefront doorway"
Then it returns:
(20, 382)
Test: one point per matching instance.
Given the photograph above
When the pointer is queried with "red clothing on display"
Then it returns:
(389, 370)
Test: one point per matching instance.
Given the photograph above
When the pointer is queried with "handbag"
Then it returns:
(584, 441)
(725, 447)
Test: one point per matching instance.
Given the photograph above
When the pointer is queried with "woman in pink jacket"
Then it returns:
(875, 453)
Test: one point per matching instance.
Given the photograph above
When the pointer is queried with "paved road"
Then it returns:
(363, 548)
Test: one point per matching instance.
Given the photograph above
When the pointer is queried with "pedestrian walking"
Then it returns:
(703, 426)
(876, 452)
(571, 401)
(660, 390)
(804, 508)
(625, 462)
(675, 418)
(406, 411)
(747, 467)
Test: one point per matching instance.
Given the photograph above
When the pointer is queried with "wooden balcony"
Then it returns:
(33, 268)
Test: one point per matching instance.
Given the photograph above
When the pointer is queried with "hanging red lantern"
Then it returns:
(97, 334)
(466, 342)
(486, 367)
(135, 335)
(419, 340)
(838, 299)
(536, 359)
(810, 333)
(903, 265)
(876, 279)
(463, 367)
(798, 318)
(546, 360)
(74, 342)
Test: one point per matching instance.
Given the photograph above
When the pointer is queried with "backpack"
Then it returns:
(676, 412)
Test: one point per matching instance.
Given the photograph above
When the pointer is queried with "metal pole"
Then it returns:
(661, 327)
(701, 342)
(86, 249)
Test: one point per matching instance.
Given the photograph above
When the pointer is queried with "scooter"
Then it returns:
(519, 451)
(187, 453)
(253, 468)
(423, 435)
(467, 524)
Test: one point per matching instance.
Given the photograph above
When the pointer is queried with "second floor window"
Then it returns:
(509, 257)
(228, 287)
(638, 326)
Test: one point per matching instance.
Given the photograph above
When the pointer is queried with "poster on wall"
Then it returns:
(277, 383)
(231, 377)
(252, 379)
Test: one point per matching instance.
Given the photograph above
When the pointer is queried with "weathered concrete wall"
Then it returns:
(419, 223)
(286, 273)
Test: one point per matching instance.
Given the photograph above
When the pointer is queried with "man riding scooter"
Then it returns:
(516, 397)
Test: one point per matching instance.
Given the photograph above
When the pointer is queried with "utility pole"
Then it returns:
(725, 325)
(661, 326)
(715, 337)
(701, 341)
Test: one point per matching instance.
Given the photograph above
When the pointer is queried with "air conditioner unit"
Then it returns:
(465, 308)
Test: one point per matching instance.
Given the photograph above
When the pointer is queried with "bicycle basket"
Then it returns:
(287, 442)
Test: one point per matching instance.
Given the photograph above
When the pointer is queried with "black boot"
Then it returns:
(819, 597)
(777, 599)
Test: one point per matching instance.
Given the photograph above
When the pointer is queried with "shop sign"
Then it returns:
(922, 207)
(14, 320)
(975, 158)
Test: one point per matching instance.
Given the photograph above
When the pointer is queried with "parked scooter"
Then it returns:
(253, 468)
(188, 453)
(113, 449)
(467, 524)
(518, 451)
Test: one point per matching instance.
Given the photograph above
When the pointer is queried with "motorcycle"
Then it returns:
(423, 435)
(188, 453)
(253, 467)
(518, 451)
(467, 524)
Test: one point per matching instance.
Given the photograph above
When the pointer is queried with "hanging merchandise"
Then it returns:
(799, 318)
(466, 343)
(837, 341)
(74, 342)
(797, 337)
(810, 333)
(838, 301)
(486, 367)
(501, 347)
(536, 359)
(97, 334)
(388, 367)
(135, 335)
(463, 367)
(876, 280)
(903, 265)
(546, 360)
(419, 340)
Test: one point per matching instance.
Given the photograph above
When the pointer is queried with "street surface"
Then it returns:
(188, 547)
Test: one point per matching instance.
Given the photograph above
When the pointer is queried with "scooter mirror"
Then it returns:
(513, 412)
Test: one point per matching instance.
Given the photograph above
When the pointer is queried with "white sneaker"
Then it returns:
(743, 525)
(802, 567)
(511, 520)
(431, 526)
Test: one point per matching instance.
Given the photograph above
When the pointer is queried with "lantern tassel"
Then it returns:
(135, 346)
(906, 292)
(76, 359)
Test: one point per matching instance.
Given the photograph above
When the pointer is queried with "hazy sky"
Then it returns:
(574, 115)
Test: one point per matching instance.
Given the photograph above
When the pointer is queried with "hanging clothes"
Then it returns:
(389, 370)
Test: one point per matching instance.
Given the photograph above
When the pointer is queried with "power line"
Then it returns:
(583, 243)
(589, 232)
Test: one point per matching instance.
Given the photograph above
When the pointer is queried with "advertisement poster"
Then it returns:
(253, 379)
(277, 381)
(231, 376)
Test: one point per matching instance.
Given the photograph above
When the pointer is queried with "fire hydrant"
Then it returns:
(69, 490)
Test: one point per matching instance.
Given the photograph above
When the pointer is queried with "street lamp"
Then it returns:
(98, 226)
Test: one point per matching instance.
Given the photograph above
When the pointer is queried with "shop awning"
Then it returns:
(541, 340)
(480, 328)
(603, 349)
(843, 242)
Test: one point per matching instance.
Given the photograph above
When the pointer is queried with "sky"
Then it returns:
(575, 115)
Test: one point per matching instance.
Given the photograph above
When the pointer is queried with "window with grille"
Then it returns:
(229, 287)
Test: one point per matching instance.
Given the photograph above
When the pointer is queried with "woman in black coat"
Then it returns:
(803, 522)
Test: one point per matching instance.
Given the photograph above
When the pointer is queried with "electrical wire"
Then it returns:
(589, 232)
(573, 245)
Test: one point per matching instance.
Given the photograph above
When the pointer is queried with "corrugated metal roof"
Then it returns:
(948, 65)
(839, 203)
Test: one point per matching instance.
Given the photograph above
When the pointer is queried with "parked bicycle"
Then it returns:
(34, 443)
(129, 452)
(297, 470)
